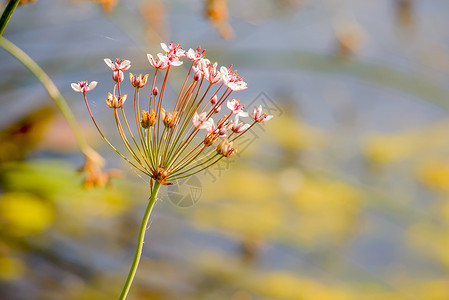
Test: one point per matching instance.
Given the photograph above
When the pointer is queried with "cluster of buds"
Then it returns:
(166, 146)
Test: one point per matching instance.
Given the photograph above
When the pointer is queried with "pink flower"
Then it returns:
(232, 80)
(197, 55)
(212, 127)
(236, 107)
(200, 122)
(173, 49)
(173, 52)
(160, 63)
(211, 73)
(118, 65)
(239, 127)
(84, 86)
(260, 117)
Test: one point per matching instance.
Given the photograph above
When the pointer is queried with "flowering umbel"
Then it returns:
(175, 141)
(166, 145)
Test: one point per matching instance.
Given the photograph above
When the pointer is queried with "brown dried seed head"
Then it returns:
(147, 119)
(226, 148)
(210, 139)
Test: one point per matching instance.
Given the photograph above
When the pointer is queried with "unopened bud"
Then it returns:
(214, 99)
(155, 91)
(222, 131)
(118, 76)
(196, 77)
(217, 109)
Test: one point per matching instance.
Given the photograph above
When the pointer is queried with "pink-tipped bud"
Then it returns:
(217, 109)
(222, 131)
(118, 76)
(155, 91)
(196, 77)
(214, 99)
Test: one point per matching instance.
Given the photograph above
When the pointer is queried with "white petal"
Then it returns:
(231, 104)
(109, 62)
(92, 85)
(195, 120)
(126, 64)
(164, 47)
(76, 87)
(190, 54)
(244, 127)
(162, 57)
(176, 63)
(212, 127)
(243, 114)
(267, 118)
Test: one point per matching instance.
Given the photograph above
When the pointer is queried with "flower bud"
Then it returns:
(222, 131)
(214, 99)
(118, 76)
(155, 91)
(217, 109)
(147, 119)
(196, 77)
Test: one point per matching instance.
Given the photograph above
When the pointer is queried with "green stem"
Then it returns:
(51, 89)
(143, 228)
(7, 13)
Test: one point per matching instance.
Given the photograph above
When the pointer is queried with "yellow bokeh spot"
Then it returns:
(283, 285)
(384, 150)
(24, 214)
(11, 268)
(326, 210)
(435, 174)
(292, 134)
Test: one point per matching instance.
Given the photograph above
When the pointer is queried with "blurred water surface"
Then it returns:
(344, 195)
